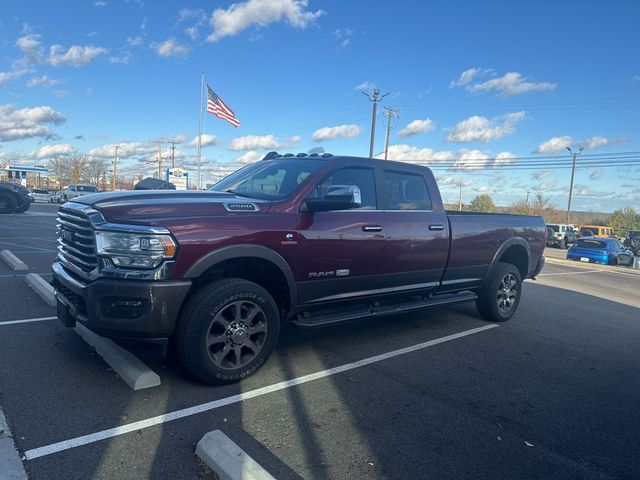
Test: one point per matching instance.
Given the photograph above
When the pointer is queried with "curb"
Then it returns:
(14, 262)
(129, 367)
(597, 266)
(42, 288)
(10, 463)
(228, 460)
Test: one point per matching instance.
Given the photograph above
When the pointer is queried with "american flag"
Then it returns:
(216, 106)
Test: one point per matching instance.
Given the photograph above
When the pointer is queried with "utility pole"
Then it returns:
(390, 113)
(460, 196)
(159, 142)
(173, 154)
(115, 169)
(528, 192)
(573, 170)
(375, 98)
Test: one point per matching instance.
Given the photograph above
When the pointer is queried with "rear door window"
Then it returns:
(406, 191)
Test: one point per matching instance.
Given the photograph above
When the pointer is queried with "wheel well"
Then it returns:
(256, 270)
(517, 255)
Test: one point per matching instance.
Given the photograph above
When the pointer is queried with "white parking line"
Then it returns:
(567, 273)
(27, 320)
(206, 407)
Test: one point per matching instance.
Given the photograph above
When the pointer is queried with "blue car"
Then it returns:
(607, 251)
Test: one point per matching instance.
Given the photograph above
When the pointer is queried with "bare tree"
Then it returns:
(61, 169)
(541, 205)
(93, 171)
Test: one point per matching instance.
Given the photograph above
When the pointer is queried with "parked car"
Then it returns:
(597, 231)
(14, 198)
(315, 240)
(563, 235)
(76, 190)
(39, 195)
(632, 241)
(607, 251)
(57, 197)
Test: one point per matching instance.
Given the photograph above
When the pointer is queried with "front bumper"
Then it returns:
(119, 308)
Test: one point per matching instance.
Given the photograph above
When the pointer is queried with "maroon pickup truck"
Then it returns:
(310, 239)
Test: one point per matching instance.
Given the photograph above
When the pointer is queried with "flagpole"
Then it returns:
(200, 134)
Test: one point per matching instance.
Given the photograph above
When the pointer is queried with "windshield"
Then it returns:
(555, 228)
(87, 188)
(593, 244)
(269, 180)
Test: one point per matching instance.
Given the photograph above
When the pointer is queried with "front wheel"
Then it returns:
(500, 296)
(23, 208)
(7, 203)
(227, 331)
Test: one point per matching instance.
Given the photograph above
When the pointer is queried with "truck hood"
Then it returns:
(152, 207)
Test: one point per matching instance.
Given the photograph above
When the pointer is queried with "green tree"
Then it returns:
(482, 203)
(625, 219)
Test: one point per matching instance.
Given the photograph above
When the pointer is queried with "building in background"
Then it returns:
(28, 176)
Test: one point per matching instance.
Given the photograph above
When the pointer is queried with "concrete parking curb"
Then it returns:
(135, 373)
(11, 467)
(14, 262)
(228, 460)
(560, 261)
(42, 288)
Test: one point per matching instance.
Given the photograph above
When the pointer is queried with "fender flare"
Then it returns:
(503, 248)
(242, 251)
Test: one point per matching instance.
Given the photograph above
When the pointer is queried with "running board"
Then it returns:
(320, 318)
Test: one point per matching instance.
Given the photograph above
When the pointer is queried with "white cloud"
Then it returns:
(366, 85)
(512, 83)
(75, 56)
(540, 174)
(329, 133)
(124, 59)
(477, 128)
(44, 80)
(205, 141)
(597, 174)
(126, 150)
(240, 16)
(555, 144)
(10, 75)
(584, 191)
(31, 48)
(472, 160)
(458, 160)
(343, 35)
(53, 150)
(249, 157)
(170, 48)
(636, 78)
(504, 158)
(100, 3)
(466, 77)
(253, 142)
(595, 142)
(135, 41)
(417, 126)
(27, 122)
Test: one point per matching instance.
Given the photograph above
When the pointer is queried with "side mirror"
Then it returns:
(338, 197)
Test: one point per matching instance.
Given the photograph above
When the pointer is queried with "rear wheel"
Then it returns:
(23, 208)
(227, 331)
(7, 203)
(500, 296)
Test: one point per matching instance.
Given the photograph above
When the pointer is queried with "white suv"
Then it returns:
(76, 190)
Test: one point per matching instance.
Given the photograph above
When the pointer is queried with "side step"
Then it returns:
(318, 318)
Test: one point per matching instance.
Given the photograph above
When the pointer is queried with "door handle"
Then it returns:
(371, 228)
(437, 226)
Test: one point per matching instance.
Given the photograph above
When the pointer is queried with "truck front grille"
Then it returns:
(76, 240)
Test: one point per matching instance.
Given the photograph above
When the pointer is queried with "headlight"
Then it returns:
(135, 250)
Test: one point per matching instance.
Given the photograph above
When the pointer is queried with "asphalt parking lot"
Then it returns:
(553, 393)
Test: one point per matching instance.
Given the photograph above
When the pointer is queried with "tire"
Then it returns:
(23, 208)
(239, 345)
(500, 296)
(7, 203)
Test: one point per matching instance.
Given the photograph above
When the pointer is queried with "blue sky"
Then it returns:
(478, 85)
